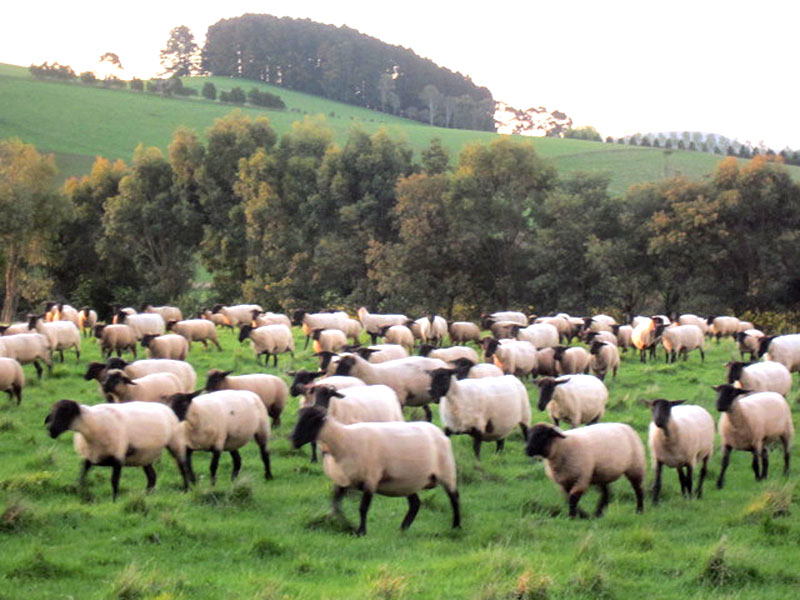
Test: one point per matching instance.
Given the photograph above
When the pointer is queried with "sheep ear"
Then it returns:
(716, 388)
(676, 402)
(563, 381)
(646, 402)
(129, 381)
(226, 373)
(337, 395)
(291, 373)
(558, 433)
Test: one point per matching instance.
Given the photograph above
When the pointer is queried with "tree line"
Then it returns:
(299, 221)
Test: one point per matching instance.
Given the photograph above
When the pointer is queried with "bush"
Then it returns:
(113, 81)
(136, 84)
(88, 78)
(209, 91)
(54, 71)
(259, 98)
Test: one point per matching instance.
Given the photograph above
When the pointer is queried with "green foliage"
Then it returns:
(235, 96)
(260, 98)
(54, 71)
(587, 132)
(209, 91)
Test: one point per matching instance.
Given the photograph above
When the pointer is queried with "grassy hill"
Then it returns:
(77, 123)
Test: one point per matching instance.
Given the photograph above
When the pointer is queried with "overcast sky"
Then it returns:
(623, 67)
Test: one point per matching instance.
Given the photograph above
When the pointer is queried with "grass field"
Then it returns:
(273, 539)
(78, 123)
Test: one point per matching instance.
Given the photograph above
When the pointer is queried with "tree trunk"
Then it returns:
(10, 297)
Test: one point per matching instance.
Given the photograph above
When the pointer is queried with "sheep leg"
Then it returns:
(682, 479)
(413, 509)
(764, 462)
(336, 500)
(574, 498)
(182, 467)
(216, 343)
(756, 470)
(189, 470)
(605, 495)
(116, 471)
(308, 338)
(636, 484)
(363, 509)
(85, 466)
(61, 356)
(237, 463)
(524, 429)
(454, 504)
(262, 447)
(703, 470)
(500, 444)
(38, 370)
(476, 443)
(657, 484)
(313, 451)
(703, 355)
(726, 459)
(428, 413)
(150, 473)
(785, 441)
(17, 390)
(275, 360)
(215, 454)
(689, 476)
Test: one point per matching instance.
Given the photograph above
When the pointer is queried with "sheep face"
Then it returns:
(147, 339)
(547, 386)
(425, 349)
(763, 344)
(297, 317)
(244, 332)
(661, 410)
(462, 366)
(94, 371)
(309, 423)
(364, 353)
(301, 379)
(116, 363)
(726, 395)
(594, 349)
(325, 358)
(214, 379)
(541, 438)
(558, 352)
(323, 395)
(346, 364)
(180, 403)
(98, 331)
(61, 416)
(440, 382)
(490, 346)
(113, 379)
(735, 370)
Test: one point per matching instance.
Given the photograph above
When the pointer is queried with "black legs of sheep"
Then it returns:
(685, 476)
(116, 473)
(237, 463)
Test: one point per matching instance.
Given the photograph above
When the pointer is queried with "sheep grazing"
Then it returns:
(466, 368)
(168, 313)
(269, 340)
(237, 315)
(156, 387)
(218, 319)
(767, 376)
(644, 338)
(142, 324)
(748, 341)
(513, 357)
(270, 389)
(784, 349)
(58, 311)
(463, 331)
(399, 335)
(27, 348)
(573, 359)
(61, 335)
(576, 399)
(391, 459)
(597, 455)
(195, 330)
(181, 369)
(12, 379)
(689, 319)
(373, 323)
(541, 335)
(171, 345)
(750, 422)
(117, 435)
(380, 352)
(682, 339)
(745, 325)
(604, 358)
(432, 329)
(546, 363)
(449, 354)
(87, 319)
(680, 437)
(222, 421)
(328, 340)
(487, 409)
(722, 326)
(115, 338)
(624, 335)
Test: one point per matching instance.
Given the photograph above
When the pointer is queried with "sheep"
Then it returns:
(359, 404)
(562, 324)
(168, 313)
(115, 338)
(270, 389)
(784, 349)
(218, 319)
(87, 319)
(408, 377)
(748, 341)
(268, 340)
(432, 329)
(303, 383)
(195, 330)
(381, 352)
(767, 376)
(392, 459)
(546, 363)
(116, 309)
(398, 334)
(142, 324)
(61, 335)
(643, 338)
(15, 328)
(269, 318)
(599, 336)
(156, 387)
(721, 326)
(181, 369)
(463, 331)
(689, 319)
(171, 346)
(682, 339)
(745, 325)
(374, 323)
(466, 368)
(222, 421)
(513, 357)
(118, 435)
(599, 323)
(353, 330)
(12, 379)
(597, 455)
(487, 409)
(58, 311)
(27, 348)
(573, 359)
(604, 358)
(576, 399)
(311, 321)
(238, 314)
(449, 354)
(328, 340)
(624, 334)
(750, 423)
(679, 437)
(541, 335)
(503, 330)
(504, 315)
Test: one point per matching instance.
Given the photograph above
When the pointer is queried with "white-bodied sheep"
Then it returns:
(218, 319)
(487, 409)
(643, 337)
(680, 437)
(328, 340)
(750, 422)
(118, 435)
(503, 330)
(272, 390)
(399, 335)
(596, 455)
(749, 341)
(238, 314)
(562, 324)
(463, 331)
(379, 353)
(605, 358)
(682, 339)
(690, 319)
(541, 335)
(195, 330)
(599, 323)
(432, 329)
(624, 335)
(449, 354)
(15, 328)
(572, 359)
(304, 382)
(58, 311)
(599, 336)
(12, 379)
(374, 323)
(156, 387)
(784, 349)
(767, 376)
(142, 324)
(87, 319)
(392, 459)
(27, 348)
(466, 368)
(115, 338)
(171, 345)
(270, 318)
(576, 399)
(358, 404)
(504, 315)
(168, 313)
(181, 369)
(513, 357)
(546, 363)
(722, 326)
(311, 321)
(268, 340)
(61, 335)
(353, 330)
(745, 325)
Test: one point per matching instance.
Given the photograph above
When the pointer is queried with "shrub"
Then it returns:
(209, 91)
(88, 78)
(136, 84)
(265, 99)
(54, 71)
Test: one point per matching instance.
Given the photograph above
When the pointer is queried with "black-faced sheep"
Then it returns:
(576, 399)
(272, 390)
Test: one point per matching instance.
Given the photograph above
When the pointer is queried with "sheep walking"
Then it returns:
(12, 379)
(722, 326)
(604, 358)
(682, 339)
(62, 335)
(767, 376)
(270, 389)
(373, 323)
(463, 331)
(27, 348)
(196, 330)
(749, 341)
(784, 349)
(156, 387)
(171, 346)
(269, 340)
(115, 338)
(576, 399)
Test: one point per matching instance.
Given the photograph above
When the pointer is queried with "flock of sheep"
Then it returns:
(352, 406)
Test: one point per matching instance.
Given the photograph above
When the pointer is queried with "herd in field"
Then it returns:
(352, 406)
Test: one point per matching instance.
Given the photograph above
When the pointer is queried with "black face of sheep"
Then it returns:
(540, 439)
(98, 331)
(297, 316)
(726, 395)
(323, 395)
(32, 321)
(661, 410)
(116, 363)
(112, 380)
(244, 332)
(316, 333)
(462, 366)
(346, 364)
(216, 308)
(301, 379)
(325, 358)
(60, 417)
(94, 370)
(547, 385)
(735, 370)
(364, 353)
(763, 344)
(489, 346)
(595, 347)
(425, 349)
(171, 324)
(440, 382)
(710, 320)
(121, 316)
(180, 403)
(309, 423)
(558, 352)
(147, 339)
(215, 378)
(587, 322)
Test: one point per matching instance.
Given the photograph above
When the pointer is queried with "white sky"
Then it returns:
(622, 66)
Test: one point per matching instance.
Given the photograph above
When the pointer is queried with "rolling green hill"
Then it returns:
(77, 123)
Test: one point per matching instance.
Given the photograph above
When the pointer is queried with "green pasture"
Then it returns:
(274, 539)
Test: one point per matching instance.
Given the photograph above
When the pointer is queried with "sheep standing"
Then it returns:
(236, 315)
(168, 313)
(196, 330)
(171, 345)
(784, 349)
(513, 357)
(680, 437)
(767, 376)
(504, 315)
(605, 358)
(749, 341)
(722, 326)
(218, 319)
(328, 340)
(643, 338)
(541, 335)
(142, 324)
(12, 379)
(432, 329)
(546, 363)
(156, 387)
(270, 389)
(62, 335)
(181, 369)
(624, 335)
(466, 368)
(597, 455)
(689, 319)
(268, 340)
(87, 319)
(373, 323)
(381, 352)
(399, 335)
(359, 404)
(27, 348)
(311, 321)
(576, 399)
(682, 339)
(571, 360)
(269, 318)
(463, 331)
(115, 338)
(392, 459)
(449, 354)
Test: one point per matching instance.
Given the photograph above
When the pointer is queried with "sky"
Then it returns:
(621, 66)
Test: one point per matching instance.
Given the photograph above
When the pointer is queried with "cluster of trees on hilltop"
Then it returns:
(342, 64)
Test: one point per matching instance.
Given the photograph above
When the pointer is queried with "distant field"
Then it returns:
(78, 123)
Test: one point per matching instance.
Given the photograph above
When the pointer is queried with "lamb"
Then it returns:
(397, 334)
(597, 455)
(541, 335)
(750, 423)
(432, 329)
(239, 314)
(576, 399)
(487, 409)
(156, 387)
(408, 377)
(624, 334)
(748, 341)
(270, 389)
(172, 346)
(12, 379)
(328, 340)
(721, 326)
(27, 348)
(115, 338)
(392, 459)
(268, 340)
(381, 352)
(682, 339)
(680, 437)
(605, 358)
(449, 354)
(220, 422)
(118, 435)
(466, 368)
(513, 357)
(195, 330)
(767, 376)
(168, 313)
(61, 335)
(181, 369)
(571, 360)
(142, 324)
(463, 331)
(87, 319)
(373, 323)
(689, 319)
(784, 349)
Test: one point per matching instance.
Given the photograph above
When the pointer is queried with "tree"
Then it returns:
(181, 57)
(435, 158)
(433, 98)
(583, 133)
(32, 211)
(112, 59)
(209, 91)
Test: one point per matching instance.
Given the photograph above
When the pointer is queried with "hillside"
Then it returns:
(78, 123)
